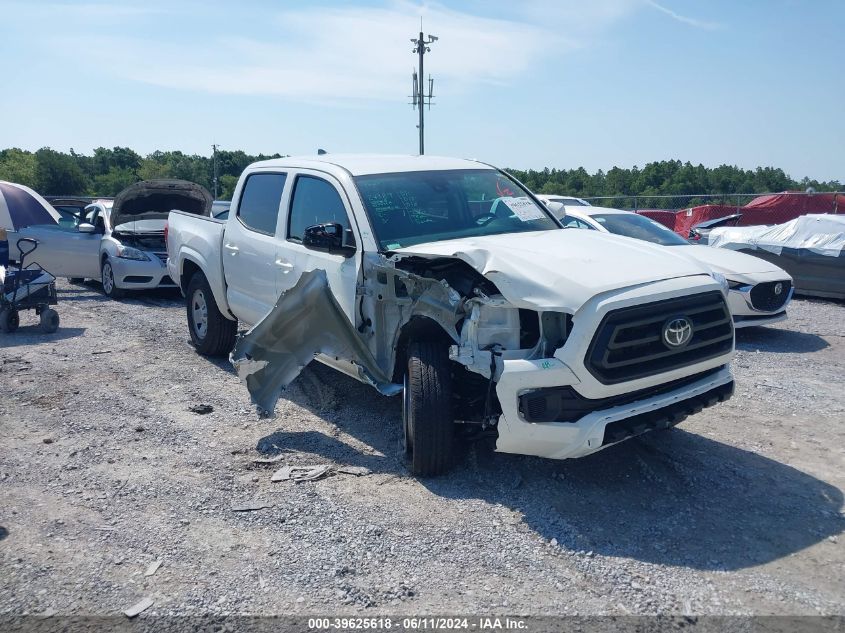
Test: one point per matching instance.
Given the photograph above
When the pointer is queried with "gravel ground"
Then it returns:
(104, 469)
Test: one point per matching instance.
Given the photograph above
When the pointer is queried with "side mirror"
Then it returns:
(327, 237)
(84, 227)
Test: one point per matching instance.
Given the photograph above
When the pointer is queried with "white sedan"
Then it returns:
(759, 291)
(122, 245)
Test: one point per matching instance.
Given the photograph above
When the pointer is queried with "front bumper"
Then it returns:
(754, 319)
(596, 429)
(643, 403)
(743, 309)
(131, 274)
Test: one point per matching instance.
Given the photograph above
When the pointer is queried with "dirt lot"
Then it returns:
(104, 469)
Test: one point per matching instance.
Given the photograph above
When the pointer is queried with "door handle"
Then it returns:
(231, 248)
(286, 266)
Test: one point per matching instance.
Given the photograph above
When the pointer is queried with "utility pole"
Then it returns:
(214, 181)
(419, 97)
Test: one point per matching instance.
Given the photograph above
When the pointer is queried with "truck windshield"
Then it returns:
(430, 206)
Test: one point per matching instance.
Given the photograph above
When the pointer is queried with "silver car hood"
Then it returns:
(563, 269)
(155, 199)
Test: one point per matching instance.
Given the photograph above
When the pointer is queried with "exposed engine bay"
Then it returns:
(402, 298)
(146, 241)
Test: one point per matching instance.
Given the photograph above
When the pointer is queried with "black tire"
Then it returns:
(107, 279)
(9, 320)
(216, 337)
(427, 409)
(49, 320)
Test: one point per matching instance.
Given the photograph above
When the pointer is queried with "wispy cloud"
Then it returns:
(336, 53)
(700, 24)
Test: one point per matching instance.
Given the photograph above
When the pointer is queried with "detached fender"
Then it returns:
(188, 262)
(306, 320)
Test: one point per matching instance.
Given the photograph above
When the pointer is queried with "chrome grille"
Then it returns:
(629, 342)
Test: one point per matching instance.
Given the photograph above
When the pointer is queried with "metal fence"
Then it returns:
(802, 202)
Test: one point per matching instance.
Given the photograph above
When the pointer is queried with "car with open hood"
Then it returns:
(760, 291)
(120, 243)
(446, 282)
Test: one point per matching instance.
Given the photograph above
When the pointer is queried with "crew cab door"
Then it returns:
(64, 251)
(317, 198)
(250, 245)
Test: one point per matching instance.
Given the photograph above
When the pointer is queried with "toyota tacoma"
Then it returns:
(446, 281)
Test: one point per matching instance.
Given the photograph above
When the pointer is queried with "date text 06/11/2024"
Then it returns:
(430, 623)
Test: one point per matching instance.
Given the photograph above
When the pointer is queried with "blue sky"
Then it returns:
(534, 83)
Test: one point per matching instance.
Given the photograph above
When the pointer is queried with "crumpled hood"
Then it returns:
(560, 270)
(726, 261)
(155, 199)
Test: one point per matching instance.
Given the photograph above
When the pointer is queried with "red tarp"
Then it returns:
(770, 209)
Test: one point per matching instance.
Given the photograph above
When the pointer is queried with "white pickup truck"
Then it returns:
(445, 280)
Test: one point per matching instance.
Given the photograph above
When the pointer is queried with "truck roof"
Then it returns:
(363, 164)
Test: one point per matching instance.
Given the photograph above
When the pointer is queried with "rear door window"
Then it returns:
(260, 200)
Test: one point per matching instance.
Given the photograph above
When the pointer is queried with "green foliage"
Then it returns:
(107, 171)
(115, 180)
(58, 173)
(227, 186)
(17, 166)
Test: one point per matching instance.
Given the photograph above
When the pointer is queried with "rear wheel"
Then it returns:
(9, 320)
(109, 287)
(211, 333)
(429, 428)
(49, 320)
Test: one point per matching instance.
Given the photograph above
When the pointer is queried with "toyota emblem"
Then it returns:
(677, 332)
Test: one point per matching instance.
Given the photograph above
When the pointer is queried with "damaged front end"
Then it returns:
(400, 300)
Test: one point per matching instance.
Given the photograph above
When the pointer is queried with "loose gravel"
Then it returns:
(122, 447)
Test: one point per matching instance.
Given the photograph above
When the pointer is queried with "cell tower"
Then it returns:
(419, 98)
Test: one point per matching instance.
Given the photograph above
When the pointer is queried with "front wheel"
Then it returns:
(429, 428)
(211, 333)
(49, 320)
(110, 289)
(9, 320)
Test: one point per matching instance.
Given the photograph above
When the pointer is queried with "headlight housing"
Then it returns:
(127, 252)
(739, 285)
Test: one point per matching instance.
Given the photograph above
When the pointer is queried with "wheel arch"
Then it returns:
(418, 328)
(190, 263)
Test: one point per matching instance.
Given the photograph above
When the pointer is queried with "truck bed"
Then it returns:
(196, 240)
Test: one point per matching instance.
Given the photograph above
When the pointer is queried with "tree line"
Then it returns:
(107, 171)
(666, 178)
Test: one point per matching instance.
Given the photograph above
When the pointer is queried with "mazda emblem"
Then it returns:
(677, 332)
(778, 288)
